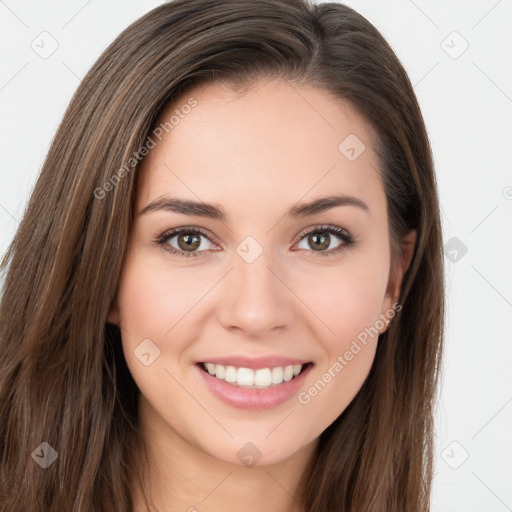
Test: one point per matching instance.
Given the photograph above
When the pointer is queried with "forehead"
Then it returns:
(276, 140)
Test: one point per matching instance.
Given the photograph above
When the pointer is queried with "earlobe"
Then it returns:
(113, 316)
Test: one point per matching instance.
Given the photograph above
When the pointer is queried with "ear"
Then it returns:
(408, 245)
(113, 316)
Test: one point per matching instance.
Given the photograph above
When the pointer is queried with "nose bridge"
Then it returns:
(255, 300)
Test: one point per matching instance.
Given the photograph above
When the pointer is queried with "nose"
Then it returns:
(255, 298)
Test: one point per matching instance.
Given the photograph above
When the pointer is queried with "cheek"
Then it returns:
(349, 307)
(152, 301)
(160, 303)
(347, 298)
(153, 305)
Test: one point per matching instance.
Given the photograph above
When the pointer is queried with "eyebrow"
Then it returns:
(201, 209)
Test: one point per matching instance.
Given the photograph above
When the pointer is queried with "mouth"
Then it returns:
(250, 378)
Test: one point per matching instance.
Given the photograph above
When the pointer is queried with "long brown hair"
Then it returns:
(63, 378)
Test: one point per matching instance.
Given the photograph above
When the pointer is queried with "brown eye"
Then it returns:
(185, 242)
(320, 238)
(188, 242)
(318, 241)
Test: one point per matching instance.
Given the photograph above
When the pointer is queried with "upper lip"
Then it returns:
(255, 363)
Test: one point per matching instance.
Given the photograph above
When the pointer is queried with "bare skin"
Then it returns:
(256, 156)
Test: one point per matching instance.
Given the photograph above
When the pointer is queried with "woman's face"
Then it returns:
(253, 293)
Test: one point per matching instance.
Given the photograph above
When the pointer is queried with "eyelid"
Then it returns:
(325, 227)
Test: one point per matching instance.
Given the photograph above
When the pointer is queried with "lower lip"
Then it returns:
(247, 398)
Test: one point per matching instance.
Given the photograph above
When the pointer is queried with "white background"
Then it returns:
(466, 98)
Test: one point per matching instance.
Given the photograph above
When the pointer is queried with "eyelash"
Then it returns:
(340, 233)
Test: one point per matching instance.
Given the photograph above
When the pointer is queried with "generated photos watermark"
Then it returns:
(150, 143)
(342, 360)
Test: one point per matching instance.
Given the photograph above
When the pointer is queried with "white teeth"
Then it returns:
(230, 374)
(220, 371)
(277, 375)
(263, 377)
(288, 373)
(249, 378)
(245, 377)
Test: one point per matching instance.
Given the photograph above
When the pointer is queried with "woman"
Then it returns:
(227, 289)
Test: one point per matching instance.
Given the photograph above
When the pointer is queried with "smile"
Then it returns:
(261, 378)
